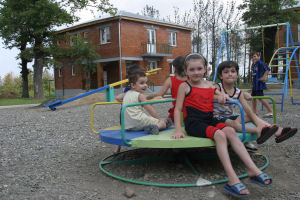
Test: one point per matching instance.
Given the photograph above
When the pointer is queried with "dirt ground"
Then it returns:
(54, 155)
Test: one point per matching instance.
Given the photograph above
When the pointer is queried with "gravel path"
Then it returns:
(53, 155)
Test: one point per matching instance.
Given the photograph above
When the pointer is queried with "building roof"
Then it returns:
(124, 15)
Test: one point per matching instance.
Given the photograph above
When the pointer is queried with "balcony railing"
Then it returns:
(156, 49)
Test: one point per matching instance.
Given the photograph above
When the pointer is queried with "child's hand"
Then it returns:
(221, 98)
(263, 79)
(178, 135)
(158, 97)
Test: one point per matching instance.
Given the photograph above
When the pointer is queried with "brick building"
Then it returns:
(121, 41)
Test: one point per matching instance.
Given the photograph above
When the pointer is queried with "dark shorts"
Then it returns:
(202, 124)
(257, 93)
(224, 118)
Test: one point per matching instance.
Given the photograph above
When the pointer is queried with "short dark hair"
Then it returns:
(254, 53)
(178, 64)
(134, 72)
(227, 64)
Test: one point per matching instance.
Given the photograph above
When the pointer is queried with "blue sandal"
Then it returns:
(236, 189)
(260, 179)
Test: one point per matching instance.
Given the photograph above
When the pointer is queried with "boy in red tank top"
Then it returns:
(195, 97)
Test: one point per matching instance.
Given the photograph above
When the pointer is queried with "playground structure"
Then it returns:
(283, 64)
(117, 135)
(109, 92)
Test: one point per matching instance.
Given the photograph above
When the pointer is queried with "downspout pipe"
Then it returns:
(120, 52)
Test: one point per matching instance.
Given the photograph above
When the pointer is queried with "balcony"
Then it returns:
(156, 50)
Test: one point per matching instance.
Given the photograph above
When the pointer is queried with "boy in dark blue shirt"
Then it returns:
(259, 76)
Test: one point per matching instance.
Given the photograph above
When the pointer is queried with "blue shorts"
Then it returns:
(257, 93)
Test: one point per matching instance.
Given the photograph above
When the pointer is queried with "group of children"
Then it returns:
(202, 117)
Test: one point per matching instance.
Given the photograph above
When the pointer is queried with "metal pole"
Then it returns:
(257, 27)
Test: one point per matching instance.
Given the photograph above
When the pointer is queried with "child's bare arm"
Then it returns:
(148, 107)
(247, 96)
(264, 77)
(163, 90)
(177, 112)
(120, 97)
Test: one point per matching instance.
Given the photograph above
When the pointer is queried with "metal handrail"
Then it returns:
(92, 112)
(274, 105)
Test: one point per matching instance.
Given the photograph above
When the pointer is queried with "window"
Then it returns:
(152, 65)
(172, 39)
(73, 70)
(85, 37)
(151, 43)
(60, 72)
(104, 35)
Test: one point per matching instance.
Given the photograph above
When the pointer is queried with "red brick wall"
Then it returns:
(68, 81)
(133, 34)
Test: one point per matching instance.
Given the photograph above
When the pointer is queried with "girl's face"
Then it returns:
(195, 69)
(140, 85)
(229, 75)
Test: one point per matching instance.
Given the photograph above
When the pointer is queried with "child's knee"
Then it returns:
(219, 136)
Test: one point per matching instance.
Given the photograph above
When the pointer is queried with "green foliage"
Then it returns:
(12, 84)
(33, 22)
(263, 12)
(259, 12)
(83, 54)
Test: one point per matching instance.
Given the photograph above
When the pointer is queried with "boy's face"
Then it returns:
(195, 69)
(229, 75)
(140, 85)
(255, 58)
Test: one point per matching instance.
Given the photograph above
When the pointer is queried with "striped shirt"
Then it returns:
(227, 109)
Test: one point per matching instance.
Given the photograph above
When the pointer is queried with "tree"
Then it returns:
(83, 55)
(262, 12)
(39, 18)
(150, 11)
(215, 11)
(200, 11)
(14, 32)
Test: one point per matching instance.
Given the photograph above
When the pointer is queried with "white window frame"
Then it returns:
(60, 72)
(152, 64)
(151, 41)
(173, 39)
(73, 70)
(105, 35)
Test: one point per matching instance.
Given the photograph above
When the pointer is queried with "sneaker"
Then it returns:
(151, 129)
(250, 146)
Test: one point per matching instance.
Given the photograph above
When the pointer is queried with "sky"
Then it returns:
(9, 63)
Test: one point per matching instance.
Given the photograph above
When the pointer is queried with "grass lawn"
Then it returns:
(19, 101)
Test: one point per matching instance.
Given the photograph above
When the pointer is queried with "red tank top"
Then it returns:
(199, 98)
(175, 85)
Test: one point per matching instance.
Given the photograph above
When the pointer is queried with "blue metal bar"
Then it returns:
(224, 37)
(242, 116)
(54, 104)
